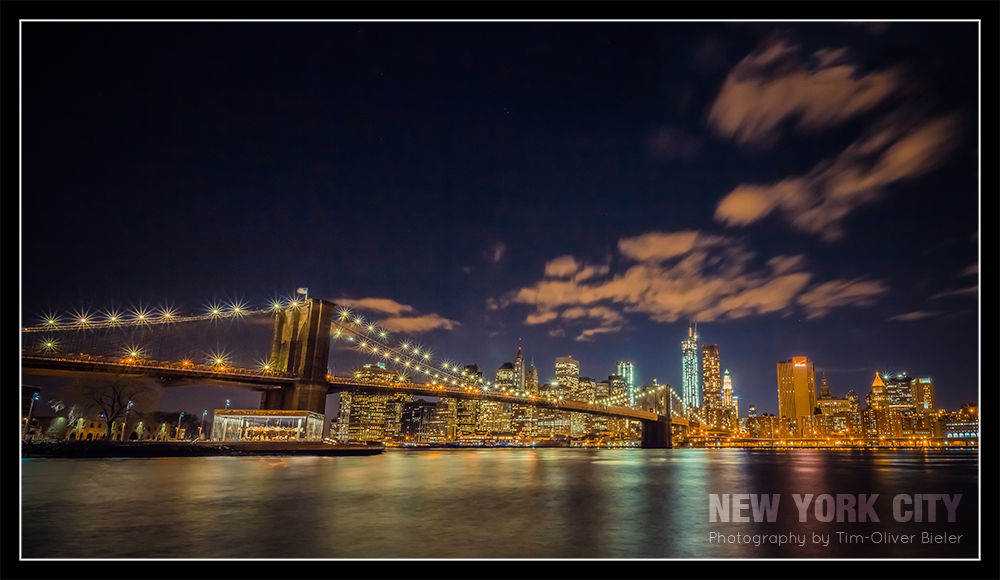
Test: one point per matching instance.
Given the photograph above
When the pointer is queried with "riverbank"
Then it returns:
(111, 449)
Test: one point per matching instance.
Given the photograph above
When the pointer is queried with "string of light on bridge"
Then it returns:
(115, 318)
(622, 399)
(410, 358)
(132, 353)
(407, 357)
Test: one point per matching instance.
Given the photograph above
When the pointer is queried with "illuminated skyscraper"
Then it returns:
(566, 385)
(690, 378)
(445, 419)
(519, 381)
(493, 415)
(567, 375)
(617, 390)
(796, 394)
(505, 377)
(836, 415)
(366, 412)
(730, 413)
(602, 389)
(712, 403)
(877, 420)
(467, 410)
(523, 417)
(899, 392)
(531, 379)
(627, 372)
(923, 396)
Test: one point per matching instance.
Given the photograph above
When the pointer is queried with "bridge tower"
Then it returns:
(656, 434)
(301, 346)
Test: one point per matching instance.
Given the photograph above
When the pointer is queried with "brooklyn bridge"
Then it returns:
(294, 375)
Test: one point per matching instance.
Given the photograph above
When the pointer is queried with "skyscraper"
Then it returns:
(923, 396)
(836, 411)
(616, 390)
(899, 392)
(730, 413)
(493, 415)
(690, 378)
(877, 414)
(467, 410)
(505, 377)
(712, 404)
(567, 375)
(531, 379)
(523, 417)
(519, 379)
(796, 393)
(627, 372)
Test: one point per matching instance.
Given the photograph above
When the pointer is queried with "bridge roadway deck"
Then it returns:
(175, 374)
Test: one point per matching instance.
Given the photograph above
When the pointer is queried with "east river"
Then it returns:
(505, 503)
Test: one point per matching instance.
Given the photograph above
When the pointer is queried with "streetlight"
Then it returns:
(179, 425)
(27, 422)
(201, 430)
(227, 403)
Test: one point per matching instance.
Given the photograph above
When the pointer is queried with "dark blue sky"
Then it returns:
(584, 189)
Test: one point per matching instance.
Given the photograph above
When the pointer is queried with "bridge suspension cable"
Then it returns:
(157, 336)
(408, 358)
(140, 317)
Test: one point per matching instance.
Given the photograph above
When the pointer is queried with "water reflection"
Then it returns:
(478, 503)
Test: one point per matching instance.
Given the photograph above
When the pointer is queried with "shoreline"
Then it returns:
(116, 449)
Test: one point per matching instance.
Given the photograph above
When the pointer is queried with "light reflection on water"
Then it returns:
(474, 503)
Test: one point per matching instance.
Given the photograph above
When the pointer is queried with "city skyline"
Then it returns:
(795, 189)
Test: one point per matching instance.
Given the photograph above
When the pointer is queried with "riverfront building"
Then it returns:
(266, 425)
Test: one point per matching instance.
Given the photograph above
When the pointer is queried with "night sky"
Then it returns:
(583, 189)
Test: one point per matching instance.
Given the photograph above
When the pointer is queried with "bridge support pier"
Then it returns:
(656, 435)
(302, 396)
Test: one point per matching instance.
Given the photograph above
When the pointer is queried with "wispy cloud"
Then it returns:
(418, 324)
(682, 275)
(379, 304)
(396, 321)
(771, 89)
(817, 201)
(916, 315)
(970, 291)
(820, 300)
(568, 267)
(496, 252)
